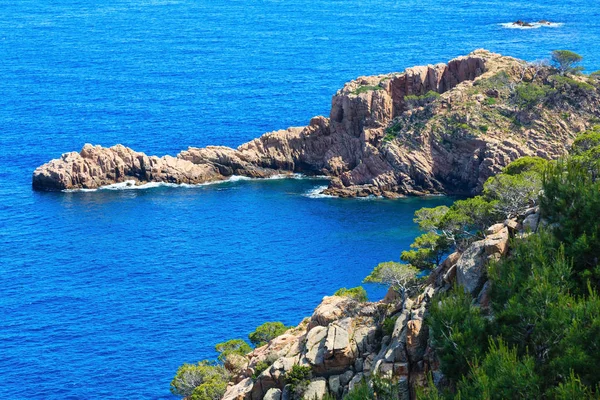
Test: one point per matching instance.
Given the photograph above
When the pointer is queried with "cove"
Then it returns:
(163, 274)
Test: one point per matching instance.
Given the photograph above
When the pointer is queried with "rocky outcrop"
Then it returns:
(344, 342)
(379, 138)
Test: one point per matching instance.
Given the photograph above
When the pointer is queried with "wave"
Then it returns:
(532, 25)
(317, 193)
(132, 184)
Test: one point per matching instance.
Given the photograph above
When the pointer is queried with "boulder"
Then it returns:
(335, 386)
(241, 391)
(416, 339)
(316, 390)
(484, 296)
(273, 394)
(496, 244)
(471, 267)
(355, 381)
(530, 223)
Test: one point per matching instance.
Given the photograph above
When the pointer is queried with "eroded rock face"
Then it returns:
(432, 149)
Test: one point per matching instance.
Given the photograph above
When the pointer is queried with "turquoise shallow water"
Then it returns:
(104, 294)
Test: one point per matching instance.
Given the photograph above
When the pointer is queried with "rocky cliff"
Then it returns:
(345, 341)
(431, 129)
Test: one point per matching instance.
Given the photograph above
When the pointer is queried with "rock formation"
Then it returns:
(344, 341)
(383, 137)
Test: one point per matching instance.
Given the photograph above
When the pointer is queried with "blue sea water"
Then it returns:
(103, 294)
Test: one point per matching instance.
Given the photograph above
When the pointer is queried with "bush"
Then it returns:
(203, 381)
(388, 326)
(266, 332)
(460, 224)
(231, 347)
(571, 203)
(413, 101)
(513, 194)
(525, 164)
(357, 293)
(260, 367)
(361, 391)
(528, 95)
(565, 83)
(459, 333)
(298, 378)
(573, 389)
(367, 88)
(499, 81)
(501, 375)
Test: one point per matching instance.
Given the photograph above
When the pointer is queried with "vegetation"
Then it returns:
(529, 94)
(401, 277)
(260, 367)
(366, 88)
(460, 224)
(427, 251)
(539, 339)
(413, 101)
(381, 388)
(388, 325)
(565, 61)
(357, 293)
(298, 378)
(203, 381)
(266, 332)
(231, 347)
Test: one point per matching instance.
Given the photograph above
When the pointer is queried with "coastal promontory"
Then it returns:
(432, 129)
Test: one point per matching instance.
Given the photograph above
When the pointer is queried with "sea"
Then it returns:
(103, 294)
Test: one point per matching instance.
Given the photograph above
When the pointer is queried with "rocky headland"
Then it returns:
(432, 129)
(346, 342)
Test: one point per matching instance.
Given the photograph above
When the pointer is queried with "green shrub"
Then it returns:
(401, 277)
(571, 389)
(298, 378)
(459, 333)
(366, 88)
(361, 391)
(203, 381)
(571, 203)
(357, 293)
(460, 224)
(388, 325)
(501, 375)
(525, 164)
(513, 194)
(484, 128)
(260, 367)
(413, 101)
(528, 95)
(233, 346)
(499, 81)
(565, 83)
(490, 101)
(266, 332)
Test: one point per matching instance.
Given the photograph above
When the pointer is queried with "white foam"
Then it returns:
(317, 193)
(131, 184)
(532, 25)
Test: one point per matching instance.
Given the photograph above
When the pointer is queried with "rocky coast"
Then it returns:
(432, 129)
